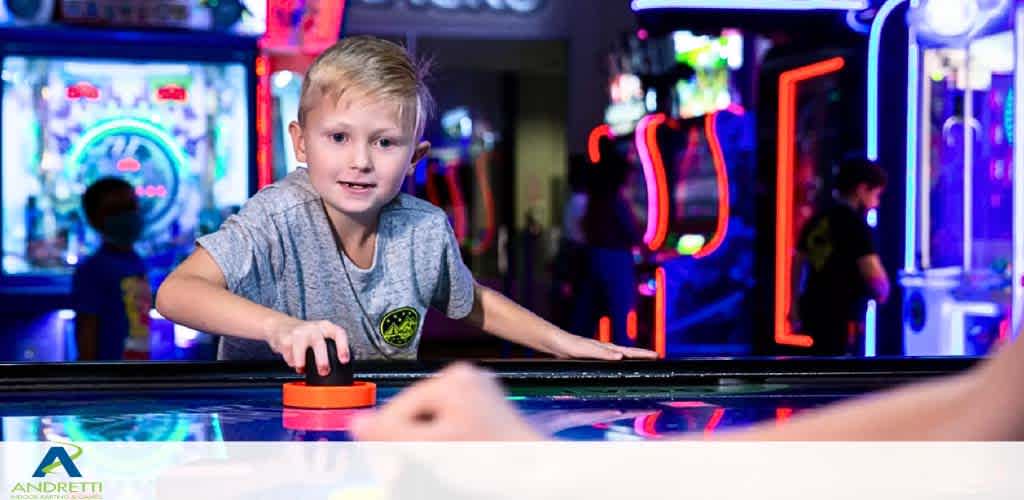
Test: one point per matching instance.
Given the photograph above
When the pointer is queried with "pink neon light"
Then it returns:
(646, 426)
(654, 179)
(716, 418)
(687, 404)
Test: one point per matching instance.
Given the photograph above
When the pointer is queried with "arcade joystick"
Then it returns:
(334, 390)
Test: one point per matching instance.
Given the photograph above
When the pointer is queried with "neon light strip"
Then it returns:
(455, 196)
(264, 115)
(925, 166)
(1017, 311)
(913, 82)
(786, 163)
(432, 193)
(631, 325)
(127, 125)
(662, 196)
(716, 418)
(481, 164)
(870, 318)
(594, 142)
(782, 415)
(604, 329)
(722, 177)
(659, 312)
(640, 138)
(874, 41)
(751, 4)
(968, 186)
(874, 47)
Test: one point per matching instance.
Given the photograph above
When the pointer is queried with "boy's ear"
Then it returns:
(421, 152)
(298, 144)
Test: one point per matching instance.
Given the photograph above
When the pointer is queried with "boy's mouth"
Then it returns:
(357, 186)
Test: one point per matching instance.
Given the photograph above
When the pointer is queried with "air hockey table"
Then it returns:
(571, 400)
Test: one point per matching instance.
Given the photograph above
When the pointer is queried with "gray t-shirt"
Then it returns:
(279, 251)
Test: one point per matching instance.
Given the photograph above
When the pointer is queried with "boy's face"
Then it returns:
(869, 197)
(358, 152)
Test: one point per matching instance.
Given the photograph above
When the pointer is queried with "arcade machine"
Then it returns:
(796, 95)
(697, 232)
(132, 99)
(965, 192)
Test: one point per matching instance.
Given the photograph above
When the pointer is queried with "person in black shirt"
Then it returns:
(837, 268)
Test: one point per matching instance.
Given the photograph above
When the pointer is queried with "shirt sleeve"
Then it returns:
(83, 296)
(242, 248)
(454, 293)
(862, 243)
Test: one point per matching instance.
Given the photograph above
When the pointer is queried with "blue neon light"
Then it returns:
(910, 235)
(870, 341)
(874, 40)
(751, 4)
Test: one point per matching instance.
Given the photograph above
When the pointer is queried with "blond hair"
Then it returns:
(374, 67)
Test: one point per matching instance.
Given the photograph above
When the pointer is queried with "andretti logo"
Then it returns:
(49, 481)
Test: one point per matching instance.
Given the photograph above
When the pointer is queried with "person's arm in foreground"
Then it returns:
(984, 403)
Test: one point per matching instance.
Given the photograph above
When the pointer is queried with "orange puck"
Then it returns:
(357, 395)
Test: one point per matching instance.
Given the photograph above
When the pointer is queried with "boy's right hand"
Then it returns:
(291, 337)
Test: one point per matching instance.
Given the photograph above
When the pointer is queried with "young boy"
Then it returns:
(838, 265)
(333, 250)
(110, 291)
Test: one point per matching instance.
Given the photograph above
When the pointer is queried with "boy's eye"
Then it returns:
(385, 142)
(338, 137)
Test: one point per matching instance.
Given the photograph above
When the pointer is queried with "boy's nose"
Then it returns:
(361, 159)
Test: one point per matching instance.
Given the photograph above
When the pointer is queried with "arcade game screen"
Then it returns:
(175, 130)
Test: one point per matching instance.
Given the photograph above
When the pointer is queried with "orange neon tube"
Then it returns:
(722, 182)
(594, 142)
(481, 164)
(659, 312)
(458, 205)
(264, 115)
(786, 164)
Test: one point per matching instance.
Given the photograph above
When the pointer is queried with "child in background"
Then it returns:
(110, 292)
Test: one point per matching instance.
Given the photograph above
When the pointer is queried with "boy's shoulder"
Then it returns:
(292, 191)
(409, 212)
(415, 209)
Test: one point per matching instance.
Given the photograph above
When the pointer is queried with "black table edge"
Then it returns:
(155, 375)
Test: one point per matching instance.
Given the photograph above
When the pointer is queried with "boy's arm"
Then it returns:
(874, 275)
(502, 317)
(87, 327)
(196, 295)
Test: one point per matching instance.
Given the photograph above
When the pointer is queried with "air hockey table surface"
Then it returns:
(572, 400)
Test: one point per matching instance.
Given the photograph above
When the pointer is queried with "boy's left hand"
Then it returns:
(568, 345)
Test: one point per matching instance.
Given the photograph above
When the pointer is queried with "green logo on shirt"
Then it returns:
(398, 327)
